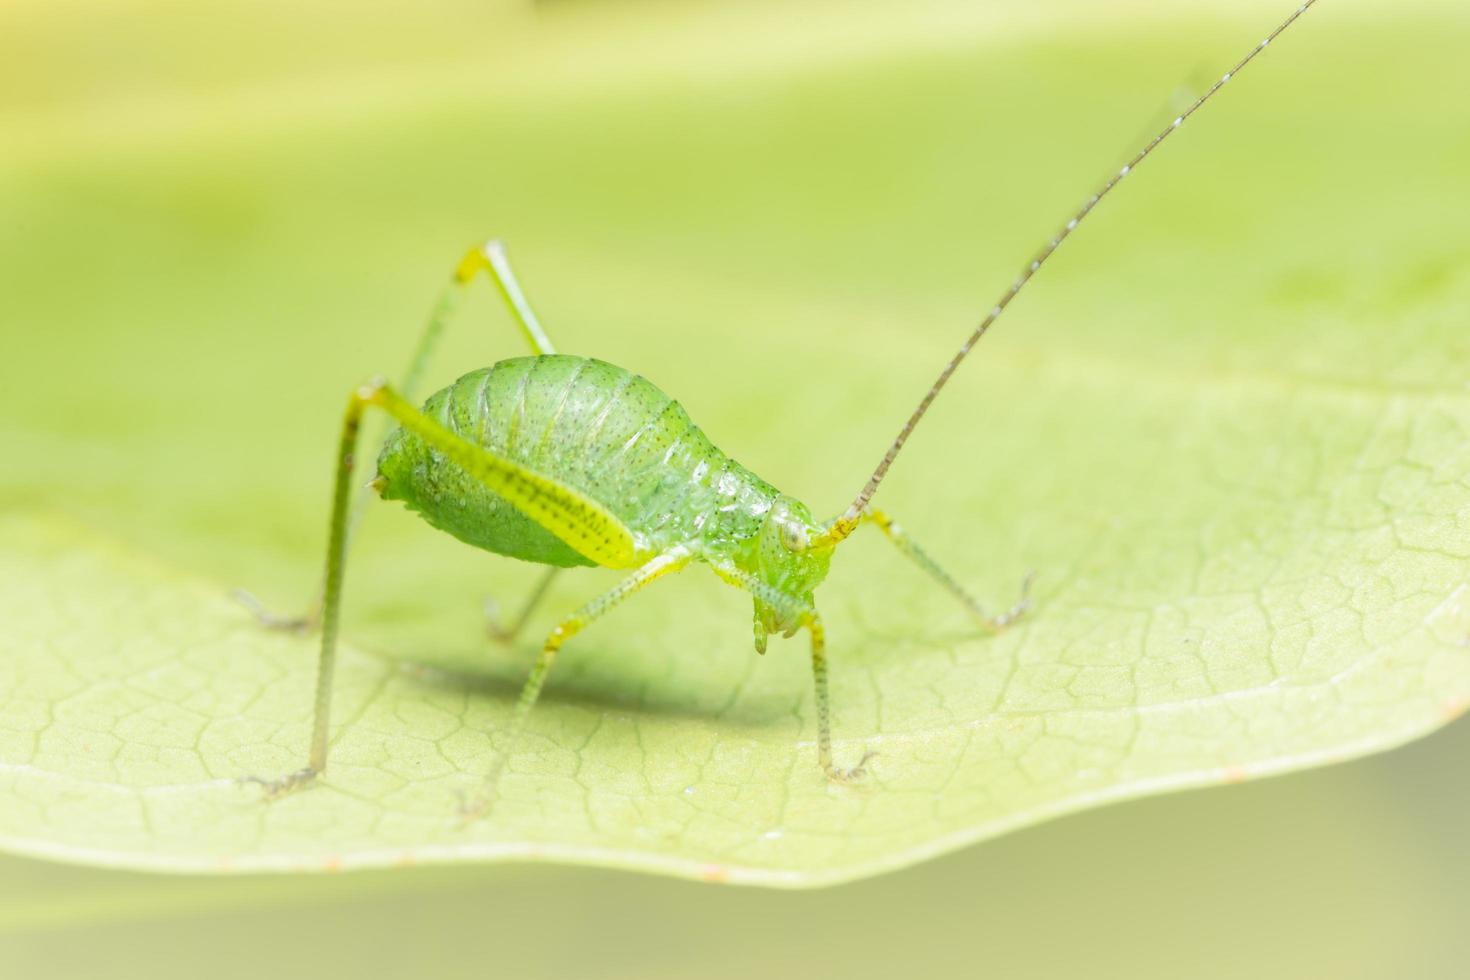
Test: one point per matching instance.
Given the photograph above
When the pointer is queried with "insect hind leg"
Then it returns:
(505, 633)
(492, 258)
(561, 509)
(270, 620)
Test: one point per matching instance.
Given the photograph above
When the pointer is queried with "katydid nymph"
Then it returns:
(568, 461)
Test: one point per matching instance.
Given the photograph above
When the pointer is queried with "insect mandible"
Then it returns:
(568, 461)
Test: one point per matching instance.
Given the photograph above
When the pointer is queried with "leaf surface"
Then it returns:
(1229, 429)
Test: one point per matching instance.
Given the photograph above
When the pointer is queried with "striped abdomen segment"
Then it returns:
(607, 432)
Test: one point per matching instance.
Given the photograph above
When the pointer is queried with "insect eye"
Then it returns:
(793, 538)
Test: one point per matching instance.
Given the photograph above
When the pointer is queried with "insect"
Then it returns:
(569, 461)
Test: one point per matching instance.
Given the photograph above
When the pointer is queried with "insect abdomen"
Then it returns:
(596, 427)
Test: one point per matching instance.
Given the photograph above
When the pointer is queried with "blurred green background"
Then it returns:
(214, 218)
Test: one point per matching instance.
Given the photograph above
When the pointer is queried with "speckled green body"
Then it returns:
(611, 435)
(572, 461)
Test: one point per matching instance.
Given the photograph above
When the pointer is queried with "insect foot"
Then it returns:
(854, 774)
(1023, 605)
(275, 621)
(274, 789)
(493, 628)
(506, 633)
(473, 808)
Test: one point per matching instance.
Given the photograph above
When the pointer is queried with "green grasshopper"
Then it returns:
(567, 461)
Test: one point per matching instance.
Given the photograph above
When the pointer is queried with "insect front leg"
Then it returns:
(813, 623)
(901, 540)
(665, 564)
(492, 258)
(795, 611)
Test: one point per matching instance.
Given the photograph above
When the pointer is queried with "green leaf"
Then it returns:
(1229, 429)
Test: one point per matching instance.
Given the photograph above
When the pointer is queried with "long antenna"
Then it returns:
(844, 525)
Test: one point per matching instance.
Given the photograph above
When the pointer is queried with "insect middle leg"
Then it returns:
(492, 258)
(901, 540)
(665, 564)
